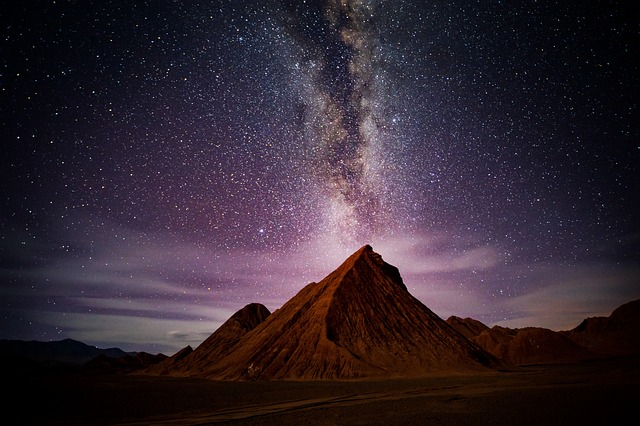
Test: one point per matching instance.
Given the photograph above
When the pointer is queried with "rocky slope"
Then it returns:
(188, 362)
(359, 321)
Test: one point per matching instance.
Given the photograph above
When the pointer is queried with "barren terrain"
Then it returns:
(591, 392)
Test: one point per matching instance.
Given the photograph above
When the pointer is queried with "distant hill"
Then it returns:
(358, 322)
(531, 345)
(616, 335)
(68, 355)
(67, 351)
(468, 327)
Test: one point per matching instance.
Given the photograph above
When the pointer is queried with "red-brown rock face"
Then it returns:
(188, 362)
(359, 321)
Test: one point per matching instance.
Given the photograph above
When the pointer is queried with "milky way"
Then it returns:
(343, 94)
(165, 163)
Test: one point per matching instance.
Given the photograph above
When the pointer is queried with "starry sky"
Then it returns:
(165, 163)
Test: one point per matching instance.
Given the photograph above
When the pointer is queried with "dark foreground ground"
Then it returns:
(589, 393)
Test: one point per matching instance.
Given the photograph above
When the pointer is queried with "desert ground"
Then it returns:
(601, 392)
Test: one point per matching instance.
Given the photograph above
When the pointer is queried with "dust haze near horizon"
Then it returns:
(167, 163)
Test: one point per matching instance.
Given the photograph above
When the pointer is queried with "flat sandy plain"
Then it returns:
(602, 392)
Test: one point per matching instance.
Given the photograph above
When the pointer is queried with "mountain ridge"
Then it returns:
(68, 351)
(359, 321)
(595, 337)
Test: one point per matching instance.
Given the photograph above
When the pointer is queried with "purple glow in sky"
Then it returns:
(166, 163)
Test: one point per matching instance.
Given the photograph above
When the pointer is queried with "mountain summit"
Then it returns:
(188, 362)
(359, 321)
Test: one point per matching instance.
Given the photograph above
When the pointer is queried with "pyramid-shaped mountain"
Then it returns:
(359, 321)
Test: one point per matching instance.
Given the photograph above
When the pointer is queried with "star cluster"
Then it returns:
(165, 163)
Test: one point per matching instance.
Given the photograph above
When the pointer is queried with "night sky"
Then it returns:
(165, 163)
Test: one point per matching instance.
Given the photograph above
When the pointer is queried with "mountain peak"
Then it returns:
(359, 321)
(362, 253)
(370, 268)
(365, 249)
